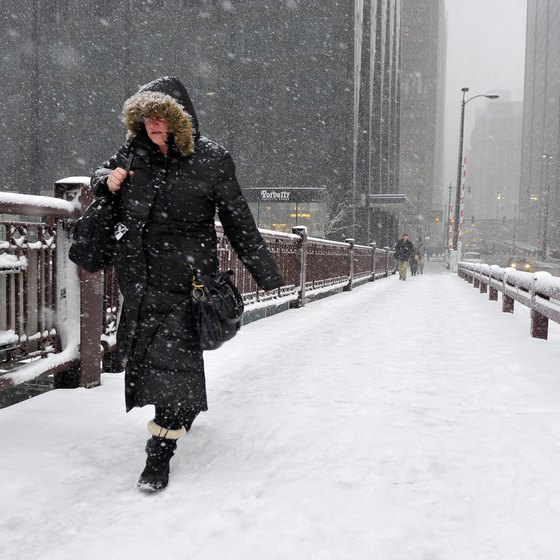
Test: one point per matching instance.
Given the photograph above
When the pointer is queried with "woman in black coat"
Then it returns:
(177, 182)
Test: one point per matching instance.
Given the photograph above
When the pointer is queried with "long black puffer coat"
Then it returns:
(169, 206)
(404, 250)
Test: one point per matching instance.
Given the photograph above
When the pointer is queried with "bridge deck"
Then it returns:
(404, 420)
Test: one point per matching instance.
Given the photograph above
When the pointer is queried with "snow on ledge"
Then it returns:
(74, 180)
(37, 201)
(12, 263)
(40, 366)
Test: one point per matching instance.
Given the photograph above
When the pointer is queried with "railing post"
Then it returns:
(88, 372)
(349, 286)
(507, 302)
(91, 318)
(483, 284)
(492, 291)
(91, 314)
(373, 246)
(386, 261)
(91, 323)
(302, 232)
(539, 323)
(476, 280)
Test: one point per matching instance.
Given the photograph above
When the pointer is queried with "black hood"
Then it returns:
(173, 87)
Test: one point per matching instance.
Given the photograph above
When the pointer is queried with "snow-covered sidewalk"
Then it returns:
(402, 421)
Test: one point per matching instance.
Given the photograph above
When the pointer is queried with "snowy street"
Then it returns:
(401, 421)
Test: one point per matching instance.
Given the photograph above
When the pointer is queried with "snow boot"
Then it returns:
(160, 449)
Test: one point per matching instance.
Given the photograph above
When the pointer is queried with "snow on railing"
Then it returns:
(69, 328)
(37, 292)
(539, 291)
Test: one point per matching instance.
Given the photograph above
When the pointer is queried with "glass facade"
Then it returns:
(376, 119)
(421, 145)
(539, 185)
(283, 209)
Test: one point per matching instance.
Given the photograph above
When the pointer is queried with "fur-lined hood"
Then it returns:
(165, 97)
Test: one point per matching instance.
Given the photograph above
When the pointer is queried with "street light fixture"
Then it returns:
(547, 159)
(460, 164)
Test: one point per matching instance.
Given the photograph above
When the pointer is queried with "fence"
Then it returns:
(61, 321)
(538, 291)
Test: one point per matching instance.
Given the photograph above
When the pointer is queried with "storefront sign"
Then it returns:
(312, 194)
(269, 196)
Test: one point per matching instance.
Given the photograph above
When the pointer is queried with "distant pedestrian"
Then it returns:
(420, 261)
(413, 263)
(404, 250)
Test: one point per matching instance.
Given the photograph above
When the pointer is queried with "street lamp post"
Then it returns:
(460, 164)
(447, 226)
(514, 227)
(548, 158)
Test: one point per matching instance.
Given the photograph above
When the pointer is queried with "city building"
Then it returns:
(493, 161)
(305, 95)
(376, 121)
(539, 199)
(423, 39)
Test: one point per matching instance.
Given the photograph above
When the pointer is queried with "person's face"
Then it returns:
(405, 237)
(158, 130)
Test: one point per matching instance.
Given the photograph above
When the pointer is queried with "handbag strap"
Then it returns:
(197, 285)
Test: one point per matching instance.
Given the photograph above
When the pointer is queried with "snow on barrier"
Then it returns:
(58, 320)
(539, 291)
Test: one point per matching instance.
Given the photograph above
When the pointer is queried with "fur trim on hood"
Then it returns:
(158, 104)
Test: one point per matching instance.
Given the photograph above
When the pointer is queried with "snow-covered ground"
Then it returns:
(403, 421)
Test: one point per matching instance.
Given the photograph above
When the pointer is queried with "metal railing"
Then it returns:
(33, 286)
(61, 321)
(539, 291)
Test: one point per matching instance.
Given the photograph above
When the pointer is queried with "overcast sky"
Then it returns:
(486, 53)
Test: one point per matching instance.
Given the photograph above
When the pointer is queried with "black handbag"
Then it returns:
(95, 233)
(217, 308)
(93, 239)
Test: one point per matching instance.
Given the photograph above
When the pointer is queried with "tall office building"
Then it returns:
(539, 198)
(422, 96)
(304, 94)
(493, 162)
(376, 120)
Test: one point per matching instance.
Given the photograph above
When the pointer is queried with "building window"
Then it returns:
(53, 12)
(150, 5)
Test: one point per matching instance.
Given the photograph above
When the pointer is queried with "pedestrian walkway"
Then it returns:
(400, 421)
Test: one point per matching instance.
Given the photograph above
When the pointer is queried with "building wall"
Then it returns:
(423, 63)
(493, 162)
(274, 82)
(376, 125)
(541, 130)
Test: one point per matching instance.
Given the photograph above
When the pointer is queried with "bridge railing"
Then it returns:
(56, 319)
(539, 291)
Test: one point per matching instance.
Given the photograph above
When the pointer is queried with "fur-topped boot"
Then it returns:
(160, 449)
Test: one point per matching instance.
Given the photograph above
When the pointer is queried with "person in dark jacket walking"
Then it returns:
(404, 251)
(413, 264)
(177, 182)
